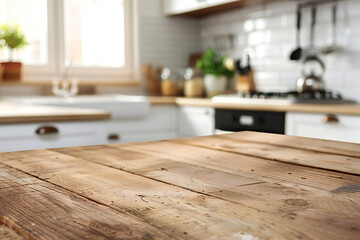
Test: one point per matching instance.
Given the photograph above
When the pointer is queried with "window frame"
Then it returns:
(56, 50)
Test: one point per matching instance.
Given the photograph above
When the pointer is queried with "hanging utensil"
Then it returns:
(312, 50)
(311, 81)
(333, 47)
(297, 53)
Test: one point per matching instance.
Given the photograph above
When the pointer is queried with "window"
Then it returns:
(32, 17)
(95, 35)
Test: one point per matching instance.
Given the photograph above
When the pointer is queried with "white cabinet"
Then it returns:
(196, 121)
(161, 123)
(174, 7)
(212, 3)
(18, 137)
(332, 127)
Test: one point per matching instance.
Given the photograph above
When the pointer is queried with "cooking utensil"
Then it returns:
(311, 49)
(297, 53)
(245, 79)
(310, 82)
(333, 47)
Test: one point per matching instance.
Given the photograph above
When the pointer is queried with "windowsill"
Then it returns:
(28, 82)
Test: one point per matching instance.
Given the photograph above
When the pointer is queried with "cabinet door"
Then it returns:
(160, 124)
(182, 6)
(332, 127)
(19, 137)
(196, 121)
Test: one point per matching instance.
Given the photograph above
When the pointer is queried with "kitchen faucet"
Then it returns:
(65, 87)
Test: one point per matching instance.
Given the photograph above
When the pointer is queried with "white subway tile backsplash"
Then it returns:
(352, 8)
(268, 30)
(166, 41)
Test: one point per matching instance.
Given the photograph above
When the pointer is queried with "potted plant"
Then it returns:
(12, 38)
(217, 71)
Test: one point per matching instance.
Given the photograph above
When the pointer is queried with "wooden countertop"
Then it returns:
(11, 112)
(347, 109)
(237, 186)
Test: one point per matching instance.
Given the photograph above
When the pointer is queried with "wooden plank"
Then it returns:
(7, 233)
(327, 161)
(233, 187)
(198, 192)
(130, 156)
(39, 210)
(179, 211)
(264, 196)
(312, 144)
(192, 173)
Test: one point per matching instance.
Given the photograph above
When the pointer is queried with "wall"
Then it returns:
(268, 31)
(163, 41)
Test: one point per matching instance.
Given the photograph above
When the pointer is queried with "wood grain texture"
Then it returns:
(40, 210)
(7, 233)
(24, 113)
(312, 144)
(317, 159)
(185, 189)
(177, 211)
(167, 164)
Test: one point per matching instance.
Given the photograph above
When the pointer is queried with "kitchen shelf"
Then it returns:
(204, 11)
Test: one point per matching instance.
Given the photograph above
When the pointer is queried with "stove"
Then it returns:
(283, 98)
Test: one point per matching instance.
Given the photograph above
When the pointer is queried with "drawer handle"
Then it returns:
(331, 118)
(113, 137)
(46, 130)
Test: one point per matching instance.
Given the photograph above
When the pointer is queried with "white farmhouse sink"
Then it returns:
(120, 106)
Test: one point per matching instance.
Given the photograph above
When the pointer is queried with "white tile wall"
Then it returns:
(165, 41)
(268, 30)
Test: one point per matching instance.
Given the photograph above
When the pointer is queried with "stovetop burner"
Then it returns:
(283, 98)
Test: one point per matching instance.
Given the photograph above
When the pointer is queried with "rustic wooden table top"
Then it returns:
(246, 186)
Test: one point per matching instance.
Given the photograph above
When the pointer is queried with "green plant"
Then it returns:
(211, 63)
(12, 37)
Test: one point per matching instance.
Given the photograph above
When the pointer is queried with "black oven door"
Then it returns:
(230, 120)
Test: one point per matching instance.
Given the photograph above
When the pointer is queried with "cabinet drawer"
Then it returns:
(160, 117)
(18, 137)
(160, 124)
(324, 126)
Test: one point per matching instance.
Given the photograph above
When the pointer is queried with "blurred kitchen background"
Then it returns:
(266, 31)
